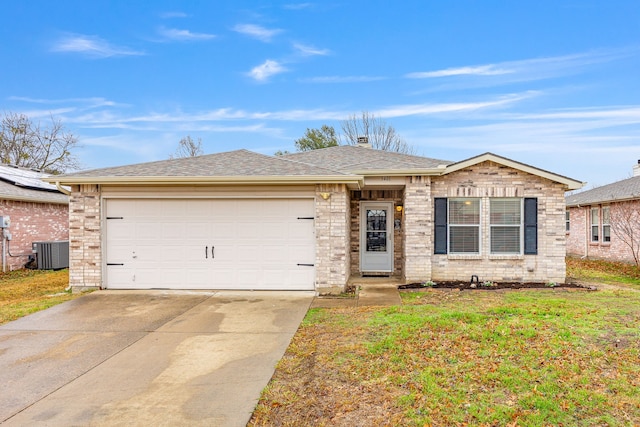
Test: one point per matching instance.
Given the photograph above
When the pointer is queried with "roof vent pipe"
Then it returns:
(636, 169)
(363, 141)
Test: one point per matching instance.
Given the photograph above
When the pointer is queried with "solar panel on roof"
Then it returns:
(25, 178)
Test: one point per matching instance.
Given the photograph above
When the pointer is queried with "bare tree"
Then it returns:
(625, 224)
(187, 147)
(28, 144)
(381, 135)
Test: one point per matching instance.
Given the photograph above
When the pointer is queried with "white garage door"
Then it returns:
(210, 244)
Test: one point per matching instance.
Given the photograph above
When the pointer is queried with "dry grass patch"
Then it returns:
(598, 271)
(525, 358)
(26, 291)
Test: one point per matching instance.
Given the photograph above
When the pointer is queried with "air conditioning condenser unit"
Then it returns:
(51, 255)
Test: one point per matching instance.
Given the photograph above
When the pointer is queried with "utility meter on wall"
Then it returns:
(5, 221)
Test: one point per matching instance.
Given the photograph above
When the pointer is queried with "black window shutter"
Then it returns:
(440, 235)
(531, 226)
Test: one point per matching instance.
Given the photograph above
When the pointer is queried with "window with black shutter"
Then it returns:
(440, 234)
(531, 226)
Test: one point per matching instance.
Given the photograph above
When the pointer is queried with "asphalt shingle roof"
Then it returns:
(231, 163)
(350, 158)
(621, 190)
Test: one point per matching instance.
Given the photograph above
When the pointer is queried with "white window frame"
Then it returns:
(594, 237)
(477, 226)
(606, 224)
(519, 226)
(567, 221)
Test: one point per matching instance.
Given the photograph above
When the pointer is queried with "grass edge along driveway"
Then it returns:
(24, 292)
(526, 358)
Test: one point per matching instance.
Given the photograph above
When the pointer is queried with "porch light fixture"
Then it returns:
(399, 208)
(325, 196)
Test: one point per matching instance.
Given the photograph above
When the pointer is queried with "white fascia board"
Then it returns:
(203, 180)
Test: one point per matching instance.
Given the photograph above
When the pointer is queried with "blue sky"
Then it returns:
(555, 84)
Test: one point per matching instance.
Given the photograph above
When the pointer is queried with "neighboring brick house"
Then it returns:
(38, 212)
(314, 220)
(594, 216)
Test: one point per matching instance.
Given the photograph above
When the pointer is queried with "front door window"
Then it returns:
(376, 230)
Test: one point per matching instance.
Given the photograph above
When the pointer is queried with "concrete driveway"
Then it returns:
(146, 358)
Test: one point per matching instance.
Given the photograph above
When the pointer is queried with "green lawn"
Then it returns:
(26, 291)
(522, 358)
(604, 272)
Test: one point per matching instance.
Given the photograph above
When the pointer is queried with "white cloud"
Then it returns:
(431, 109)
(307, 50)
(265, 70)
(482, 70)
(92, 46)
(522, 70)
(184, 35)
(257, 31)
(108, 118)
(94, 102)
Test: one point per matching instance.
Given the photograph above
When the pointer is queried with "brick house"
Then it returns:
(38, 212)
(313, 220)
(592, 217)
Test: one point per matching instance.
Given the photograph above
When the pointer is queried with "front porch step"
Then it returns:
(376, 291)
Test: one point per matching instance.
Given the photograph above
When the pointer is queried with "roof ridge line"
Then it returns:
(307, 164)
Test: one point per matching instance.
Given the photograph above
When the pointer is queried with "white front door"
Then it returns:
(376, 237)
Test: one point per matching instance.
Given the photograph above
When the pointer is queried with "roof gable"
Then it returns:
(571, 184)
(627, 189)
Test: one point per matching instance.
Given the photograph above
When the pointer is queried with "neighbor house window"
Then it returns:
(464, 226)
(567, 221)
(606, 225)
(595, 224)
(506, 225)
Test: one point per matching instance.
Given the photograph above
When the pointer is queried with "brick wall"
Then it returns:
(85, 269)
(418, 229)
(33, 222)
(487, 180)
(394, 196)
(332, 238)
(579, 237)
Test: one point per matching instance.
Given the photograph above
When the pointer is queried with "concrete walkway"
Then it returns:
(370, 292)
(146, 358)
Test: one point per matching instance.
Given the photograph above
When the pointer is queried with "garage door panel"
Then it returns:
(248, 230)
(120, 275)
(173, 231)
(170, 244)
(119, 230)
(225, 230)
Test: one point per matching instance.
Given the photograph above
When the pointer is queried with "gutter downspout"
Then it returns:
(61, 189)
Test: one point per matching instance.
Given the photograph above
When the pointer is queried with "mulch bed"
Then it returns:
(494, 286)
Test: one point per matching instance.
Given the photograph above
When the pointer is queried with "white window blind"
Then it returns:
(464, 226)
(506, 226)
